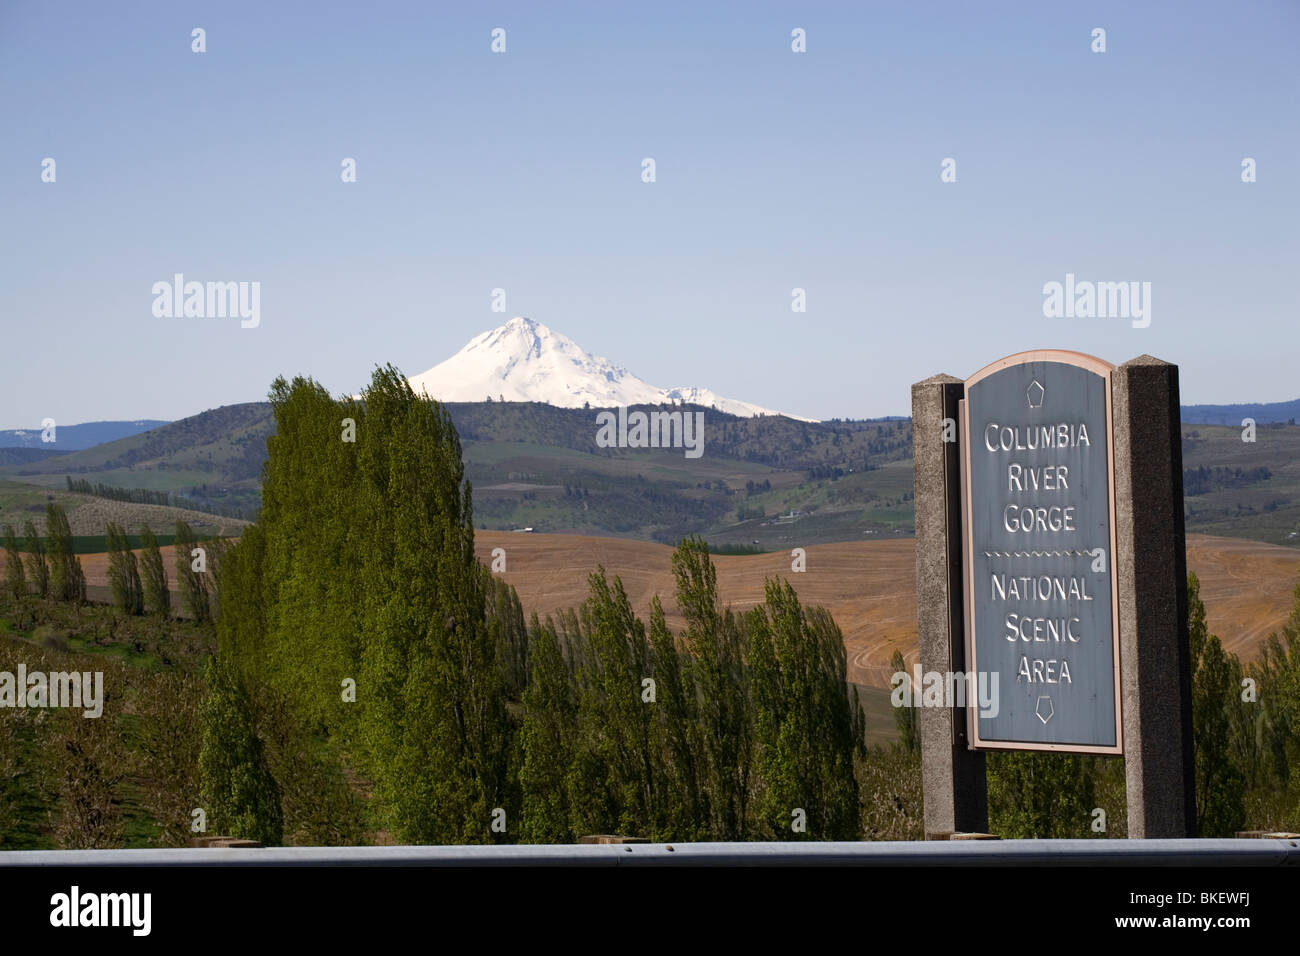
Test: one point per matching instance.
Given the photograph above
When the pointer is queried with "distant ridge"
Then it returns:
(1262, 413)
(24, 456)
(76, 437)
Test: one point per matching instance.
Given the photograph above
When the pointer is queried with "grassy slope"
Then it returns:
(88, 515)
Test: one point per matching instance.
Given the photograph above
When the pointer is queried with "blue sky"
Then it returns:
(522, 171)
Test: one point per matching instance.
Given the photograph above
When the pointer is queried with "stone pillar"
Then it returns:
(1155, 655)
(956, 795)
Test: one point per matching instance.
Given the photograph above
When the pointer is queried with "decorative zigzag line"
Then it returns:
(1038, 554)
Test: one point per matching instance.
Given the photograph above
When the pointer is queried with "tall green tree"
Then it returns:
(193, 584)
(804, 725)
(67, 582)
(1278, 674)
(240, 796)
(153, 575)
(313, 542)
(1220, 784)
(906, 719)
(547, 739)
(38, 566)
(15, 580)
(243, 637)
(123, 571)
(505, 621)
(715, 646)
(356, 600)
(434, 706)
(617, 712)
(683, 812)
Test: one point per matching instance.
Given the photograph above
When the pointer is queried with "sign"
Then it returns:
(1040, 587)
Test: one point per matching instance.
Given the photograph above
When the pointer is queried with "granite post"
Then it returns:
(1151, 569)
(954, 787)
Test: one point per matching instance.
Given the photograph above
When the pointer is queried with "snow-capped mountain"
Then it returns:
(524, 361)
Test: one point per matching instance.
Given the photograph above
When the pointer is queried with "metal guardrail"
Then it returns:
(1181, 853)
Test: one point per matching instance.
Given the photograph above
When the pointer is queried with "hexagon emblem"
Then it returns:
(1035, 393)
(1051, 711)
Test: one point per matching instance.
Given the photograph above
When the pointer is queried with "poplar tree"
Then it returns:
(77, 578)
(547, 739)
(360, 572)
(683, 811)
(717, 671)
(153, 575)
(38, 568)
(434, 707)
(240, 796)
(242, 624)
(803, 722)
(505, 621)
(906, 719)
(617, 715)
(193, 584)
(313, 540)
(123, 572)
(67, 582)
(1220, 784)
(1278, 674)
(15, 580)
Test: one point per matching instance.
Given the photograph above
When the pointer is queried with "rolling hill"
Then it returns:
(88, 515)
(768, 482)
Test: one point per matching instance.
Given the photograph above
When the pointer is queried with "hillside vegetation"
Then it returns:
(372, 681)
(767, 482)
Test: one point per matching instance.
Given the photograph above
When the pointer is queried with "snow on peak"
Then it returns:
(526, 361)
